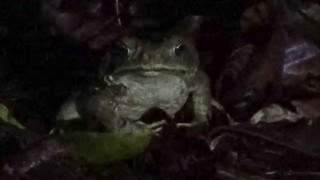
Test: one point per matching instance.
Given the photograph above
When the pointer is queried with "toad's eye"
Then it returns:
(128, 46)
(127, 51)
(178, 50)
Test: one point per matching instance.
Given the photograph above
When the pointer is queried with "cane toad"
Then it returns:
(153, 74)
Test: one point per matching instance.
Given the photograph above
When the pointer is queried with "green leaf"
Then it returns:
(103, 148)
(6, 117)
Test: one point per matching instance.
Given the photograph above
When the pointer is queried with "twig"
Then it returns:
(118, 13)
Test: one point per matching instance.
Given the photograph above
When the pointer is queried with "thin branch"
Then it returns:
(118, 13)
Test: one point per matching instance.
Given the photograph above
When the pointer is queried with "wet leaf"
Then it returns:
(104, 148)
(274, 113)
(6, 117)
(301, 61)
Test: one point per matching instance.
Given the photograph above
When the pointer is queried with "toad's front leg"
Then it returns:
(111, 110)
(201, 99)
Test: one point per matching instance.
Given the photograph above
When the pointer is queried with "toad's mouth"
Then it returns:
(151, 71)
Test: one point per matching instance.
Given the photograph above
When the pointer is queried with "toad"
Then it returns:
(159, 74)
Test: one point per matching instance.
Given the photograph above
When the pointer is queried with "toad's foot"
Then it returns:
(155, 127)
(193, 127)
(184, 125)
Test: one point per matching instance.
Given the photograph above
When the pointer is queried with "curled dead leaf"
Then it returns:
(274, 113)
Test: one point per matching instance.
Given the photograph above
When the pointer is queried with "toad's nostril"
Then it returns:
(145, 56)
(157, 56)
